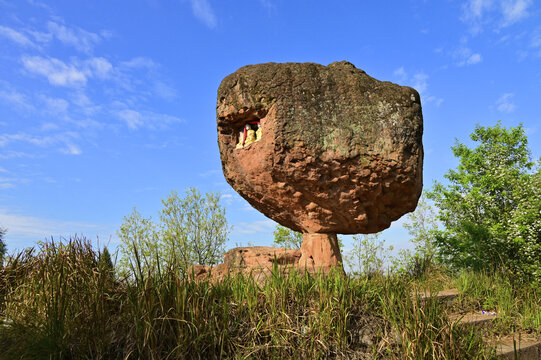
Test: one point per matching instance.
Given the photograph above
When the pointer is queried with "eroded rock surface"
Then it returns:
(335, 150)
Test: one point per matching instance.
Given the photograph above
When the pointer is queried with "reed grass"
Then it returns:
(60, 302)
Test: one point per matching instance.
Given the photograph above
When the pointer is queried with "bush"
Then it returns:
(192, 230)
(491, 207)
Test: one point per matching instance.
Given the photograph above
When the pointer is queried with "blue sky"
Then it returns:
(107, 105)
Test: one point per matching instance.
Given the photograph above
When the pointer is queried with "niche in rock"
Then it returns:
(249, 133)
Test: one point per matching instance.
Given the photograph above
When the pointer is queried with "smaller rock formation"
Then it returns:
(319, 252)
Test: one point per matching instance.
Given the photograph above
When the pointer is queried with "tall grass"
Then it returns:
(60, 302)
(517, 304)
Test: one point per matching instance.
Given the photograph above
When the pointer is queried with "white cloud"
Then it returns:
(63, 140)
(505, 104)
(71, 149)
(202, 10)
(75, 74)
(56, 71)
(420, 82)
(150, 120)
(5, 184)
(466, 56)
(474, 59)
(165, 91)
(474, 9)
(535, 41)
(100, 67)
(49, 126)
(157, 121)
(15, 36)
(210, 173)
(139, 62)
(227, 198)
(80, 39)
(132, 118)
(15, 98)
(41, 37)
(24, 227)
(41, 141)
(514, 10)
(86, 123)
(400, 73)
(55, 105)
(432, 99)
(15, 154)
(260, 226)
(499, 13)
(268, 5)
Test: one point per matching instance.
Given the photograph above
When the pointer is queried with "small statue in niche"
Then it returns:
(251, 133)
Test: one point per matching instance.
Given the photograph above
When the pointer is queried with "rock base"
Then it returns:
(319, 252)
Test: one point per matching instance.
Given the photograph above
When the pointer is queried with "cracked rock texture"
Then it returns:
(340, 152)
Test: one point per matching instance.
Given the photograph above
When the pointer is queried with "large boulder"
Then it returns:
(321, 149)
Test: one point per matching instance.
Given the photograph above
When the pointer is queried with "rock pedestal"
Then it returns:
(320, 251)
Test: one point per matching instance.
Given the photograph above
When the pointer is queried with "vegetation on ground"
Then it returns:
(62, 301)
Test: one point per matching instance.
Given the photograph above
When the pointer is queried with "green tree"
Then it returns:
(287, 238)
(195, 228)
(484, 201)
(2, 244)
(369, 254)
(140, 244)
(105, 261)
(421, 225)
(192, 230)
(525, 232)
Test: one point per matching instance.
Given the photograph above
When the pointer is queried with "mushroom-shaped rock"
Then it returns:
(321, 149)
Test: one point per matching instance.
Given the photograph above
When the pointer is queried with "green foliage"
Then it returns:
(141, 246)
(2, 244)
(421, 225)
(368, 255)
(287, 238)
(192, 230)
(58, 300)
(105, 261)
(490, 208)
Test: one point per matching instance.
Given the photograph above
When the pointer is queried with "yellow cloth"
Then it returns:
(258, 134)
(250, 137)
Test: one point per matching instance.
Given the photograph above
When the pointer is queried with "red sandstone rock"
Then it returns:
(337, 152)
(320, 251)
